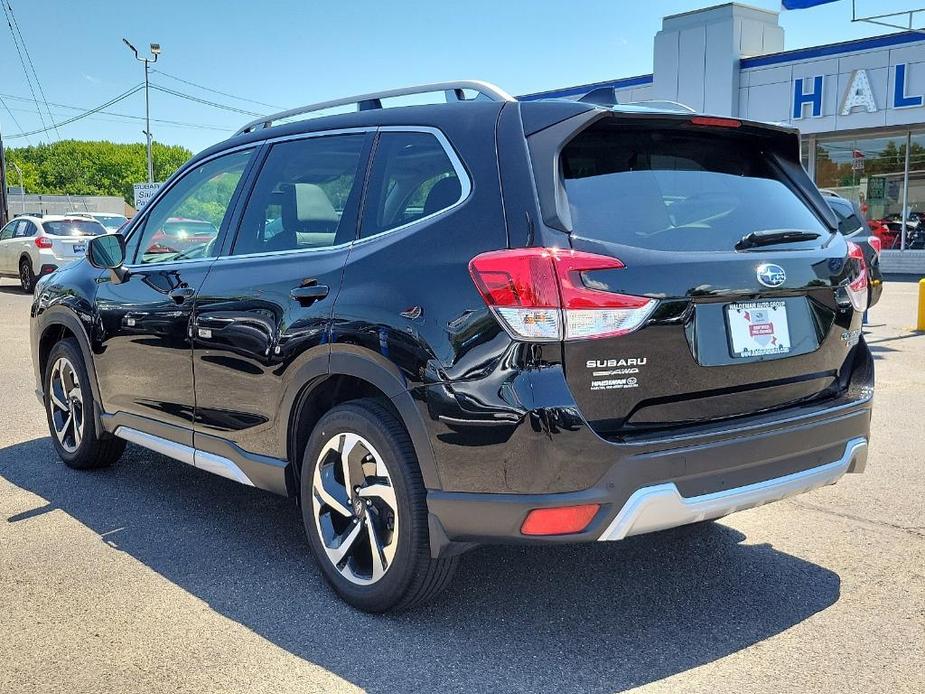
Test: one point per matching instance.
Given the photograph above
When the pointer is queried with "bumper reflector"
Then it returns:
(563, 520)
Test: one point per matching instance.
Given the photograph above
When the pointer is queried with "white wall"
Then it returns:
(697, 53)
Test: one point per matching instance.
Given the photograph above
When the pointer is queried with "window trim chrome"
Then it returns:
(465, 183)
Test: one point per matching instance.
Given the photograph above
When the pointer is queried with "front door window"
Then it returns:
(184, 223)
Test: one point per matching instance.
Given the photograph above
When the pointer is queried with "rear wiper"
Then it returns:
(774, 236)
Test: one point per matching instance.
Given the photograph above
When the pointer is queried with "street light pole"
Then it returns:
(155, 51)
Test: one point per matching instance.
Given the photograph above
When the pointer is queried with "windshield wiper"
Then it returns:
(773, 236)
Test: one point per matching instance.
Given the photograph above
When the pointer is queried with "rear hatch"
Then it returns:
(716, 227)
(68, 237)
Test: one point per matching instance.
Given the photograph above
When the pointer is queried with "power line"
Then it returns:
(21, 59)
(15, 122)
(213, 104)
(126, 119)
(123, 95)
(35, 74)
(203, 126)
(214, 91)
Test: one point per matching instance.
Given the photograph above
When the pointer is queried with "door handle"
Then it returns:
(308, 294)
(181, 294)
(213, 322)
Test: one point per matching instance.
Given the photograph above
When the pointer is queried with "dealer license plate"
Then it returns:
(80, 248)
(757, 328)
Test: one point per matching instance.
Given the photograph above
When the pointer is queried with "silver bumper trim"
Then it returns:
(662, 506)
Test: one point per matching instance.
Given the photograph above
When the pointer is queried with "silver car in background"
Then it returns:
(31, 247)
(112, 221)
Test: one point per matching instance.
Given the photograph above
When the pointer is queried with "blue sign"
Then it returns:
(801, 98)
(900, 100)
(803, 4)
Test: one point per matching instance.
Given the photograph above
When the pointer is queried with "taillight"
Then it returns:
(538, 294)
(875, 243)
(714, 122)
(857, 288)
(43, 242)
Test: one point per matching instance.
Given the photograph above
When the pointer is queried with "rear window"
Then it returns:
(675, 190)
(73, 227)
(113, 221)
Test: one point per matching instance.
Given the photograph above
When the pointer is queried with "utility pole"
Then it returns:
(4, 211)
(155, 51)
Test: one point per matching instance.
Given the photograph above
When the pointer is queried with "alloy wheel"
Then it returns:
(354, 508)
(66, 405)
(25, 276)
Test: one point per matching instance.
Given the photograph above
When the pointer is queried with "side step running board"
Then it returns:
(185, 454)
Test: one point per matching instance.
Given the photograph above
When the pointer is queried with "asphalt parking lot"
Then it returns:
(153, 576)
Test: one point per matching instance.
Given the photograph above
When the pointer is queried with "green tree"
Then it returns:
(79, 167)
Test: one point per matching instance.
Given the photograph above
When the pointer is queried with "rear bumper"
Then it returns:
(679, 481)
(662, 506)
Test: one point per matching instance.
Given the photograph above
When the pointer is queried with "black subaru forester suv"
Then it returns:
(480, 321)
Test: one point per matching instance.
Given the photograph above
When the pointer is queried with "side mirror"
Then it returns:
(107, 252)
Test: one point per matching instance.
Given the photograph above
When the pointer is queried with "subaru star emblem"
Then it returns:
(771, 275)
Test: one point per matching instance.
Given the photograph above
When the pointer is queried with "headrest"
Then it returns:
(445, 192)
(306, 202)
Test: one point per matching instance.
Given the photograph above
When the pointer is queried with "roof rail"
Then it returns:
(367, 102)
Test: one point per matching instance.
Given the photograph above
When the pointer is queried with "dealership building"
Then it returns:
(859, 105)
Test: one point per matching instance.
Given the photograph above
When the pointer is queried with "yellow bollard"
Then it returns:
(920, 324)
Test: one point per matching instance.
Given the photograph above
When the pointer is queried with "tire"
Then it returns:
(26, 276)
(69, 408)
(407, 574)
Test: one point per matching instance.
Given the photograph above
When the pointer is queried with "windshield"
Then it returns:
(74, 227)
(677, 190)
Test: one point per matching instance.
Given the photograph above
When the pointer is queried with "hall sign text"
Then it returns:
(808, 93)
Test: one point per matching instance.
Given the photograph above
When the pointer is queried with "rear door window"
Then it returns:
(675, 189)
(412, 178)
(305, 197)
(24, 230)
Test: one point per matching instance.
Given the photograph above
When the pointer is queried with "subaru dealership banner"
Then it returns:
(144, 192)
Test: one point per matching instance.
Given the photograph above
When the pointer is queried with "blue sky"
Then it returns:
(296, 52)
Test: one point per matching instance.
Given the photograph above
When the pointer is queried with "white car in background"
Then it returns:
(112, 221)
(31, 247)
